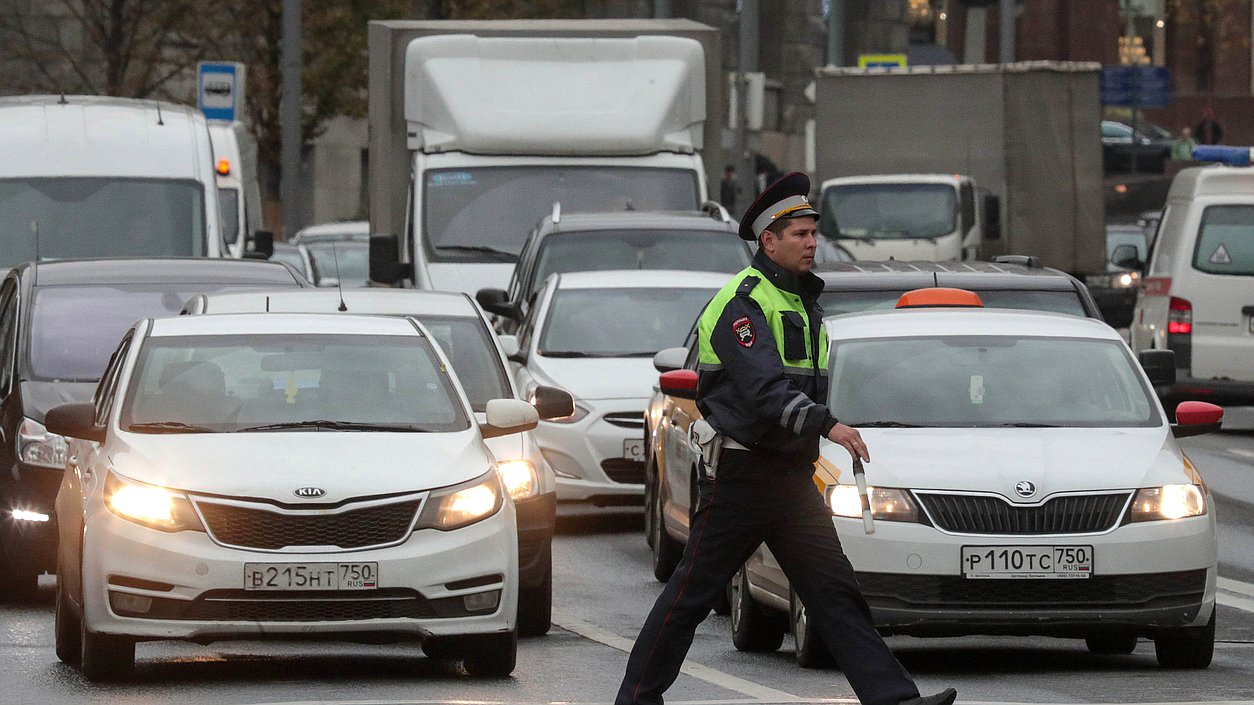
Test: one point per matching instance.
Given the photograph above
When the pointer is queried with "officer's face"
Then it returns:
(793, 248)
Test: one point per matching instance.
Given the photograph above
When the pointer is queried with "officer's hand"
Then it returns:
(849, 437)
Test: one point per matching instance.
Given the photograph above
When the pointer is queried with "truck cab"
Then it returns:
(932, 217)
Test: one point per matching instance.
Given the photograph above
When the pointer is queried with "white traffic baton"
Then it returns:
(859, 475)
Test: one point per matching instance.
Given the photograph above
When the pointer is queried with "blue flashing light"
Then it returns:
(1232, 156)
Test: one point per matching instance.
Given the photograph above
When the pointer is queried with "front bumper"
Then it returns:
(29, 546)
(1146, 577)
(196, 586)
(587, 456)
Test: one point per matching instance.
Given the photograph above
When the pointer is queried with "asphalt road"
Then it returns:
(604, 589)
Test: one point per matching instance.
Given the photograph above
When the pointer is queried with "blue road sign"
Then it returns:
(220, 89)
(1136, 86)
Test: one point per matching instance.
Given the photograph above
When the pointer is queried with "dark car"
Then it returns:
(59, 322)
(1144, 149)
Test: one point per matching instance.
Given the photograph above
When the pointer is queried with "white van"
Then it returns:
(1198, 294)
(93, 176)
(235, 164)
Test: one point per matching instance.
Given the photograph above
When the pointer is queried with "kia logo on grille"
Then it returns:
(309, 492)
(1025, 489)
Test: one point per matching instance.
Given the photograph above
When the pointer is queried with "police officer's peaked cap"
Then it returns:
(787, 198)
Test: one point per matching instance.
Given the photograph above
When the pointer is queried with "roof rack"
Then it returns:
(1026, 260)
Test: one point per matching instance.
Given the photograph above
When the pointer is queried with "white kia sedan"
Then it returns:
(594, 334)
(284, 475)
(1024, 480)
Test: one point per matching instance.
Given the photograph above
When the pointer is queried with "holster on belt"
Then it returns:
(711, 444)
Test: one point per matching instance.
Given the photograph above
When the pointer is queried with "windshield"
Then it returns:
(633, 322)
(60, 218)
(484, 214)
(638, 249)
(466, 343)
(889, 211)
(1068, 302)
(279, 382)
(74, 329)
(988, 381)
(1225, 244)
(352, 259)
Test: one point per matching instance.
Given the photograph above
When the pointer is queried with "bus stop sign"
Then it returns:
(220, 89)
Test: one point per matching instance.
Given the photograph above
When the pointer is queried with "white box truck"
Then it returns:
(239, 192)
(478, 128)
(93, 176)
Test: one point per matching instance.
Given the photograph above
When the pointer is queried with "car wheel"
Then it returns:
(104, 657)
(1187, 647)
(493, 656)
(67, 629)
(1115, 643)
(666, 550)
(535, 604)
(753, 628)
(811, 650)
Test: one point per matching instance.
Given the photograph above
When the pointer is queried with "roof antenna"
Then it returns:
(267, 304)
(63, 101)
(34, 226)
(160, 121)
(339, 283)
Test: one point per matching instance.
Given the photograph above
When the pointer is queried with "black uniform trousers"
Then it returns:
(758, 498)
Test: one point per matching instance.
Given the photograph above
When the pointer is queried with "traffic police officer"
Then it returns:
(763, 380)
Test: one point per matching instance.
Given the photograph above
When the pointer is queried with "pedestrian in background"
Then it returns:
(727, 189)
(1182, 148)
(1208, 130)
(762, 386)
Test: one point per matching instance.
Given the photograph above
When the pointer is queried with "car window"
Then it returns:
(989, 381)
(349, 259)
(466, 343)
(1067, 301)
(228, 200)
(8, 333)
(1116, 130)
(634, 322)
(229, 383)
(1225, 242)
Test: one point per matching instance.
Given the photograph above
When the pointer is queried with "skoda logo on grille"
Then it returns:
(1025, 489)
(309, 492)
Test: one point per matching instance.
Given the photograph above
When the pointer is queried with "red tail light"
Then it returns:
(1179, 317)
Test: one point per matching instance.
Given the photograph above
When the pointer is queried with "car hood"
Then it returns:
(39, 397)
(468, 277)
(946, 247)
(996, 459)
(272, 465)
(599, 377)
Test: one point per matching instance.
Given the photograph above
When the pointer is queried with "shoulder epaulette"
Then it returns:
(746, 285)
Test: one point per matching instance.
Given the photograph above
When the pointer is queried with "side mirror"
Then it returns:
(553, 403)
(670, 359)
(1159, 366)
(386, 266)
(990, 212)
(509, 344)
(75, 420)
(508, 416)
(679, 383)
(496, 301)
(520, 357)
(1193, 418)
(263, 245)
(1125, 256)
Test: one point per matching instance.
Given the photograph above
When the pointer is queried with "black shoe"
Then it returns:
(945, 697)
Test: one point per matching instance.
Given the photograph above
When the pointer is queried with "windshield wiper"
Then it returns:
(1024, 424)
(335, 426)
(885, 424)
(508, 256)
(168, 427)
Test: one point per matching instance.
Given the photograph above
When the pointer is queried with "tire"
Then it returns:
(1187, 647)
(67, 629)
(1111, 643)
(666, 550)
(650, 489)
(535, 604)
(811, 650)
(753, 628)
(494, 656)
(104, 657)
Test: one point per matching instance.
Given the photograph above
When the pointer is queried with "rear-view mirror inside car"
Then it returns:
(1193, 418)
(552, 403)
(679, 383)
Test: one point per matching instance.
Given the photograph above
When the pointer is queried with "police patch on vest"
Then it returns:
(743, 328)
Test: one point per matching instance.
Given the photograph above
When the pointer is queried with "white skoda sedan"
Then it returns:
(293, 475)
(1025, 480)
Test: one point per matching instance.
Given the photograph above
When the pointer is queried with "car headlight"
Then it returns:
(520, 479)
(1168, 502)
(1126, 280)
(150, 505)
(461, 505)
(36, 446)
(887, 503)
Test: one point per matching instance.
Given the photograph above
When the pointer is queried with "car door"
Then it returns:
(679, 454)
